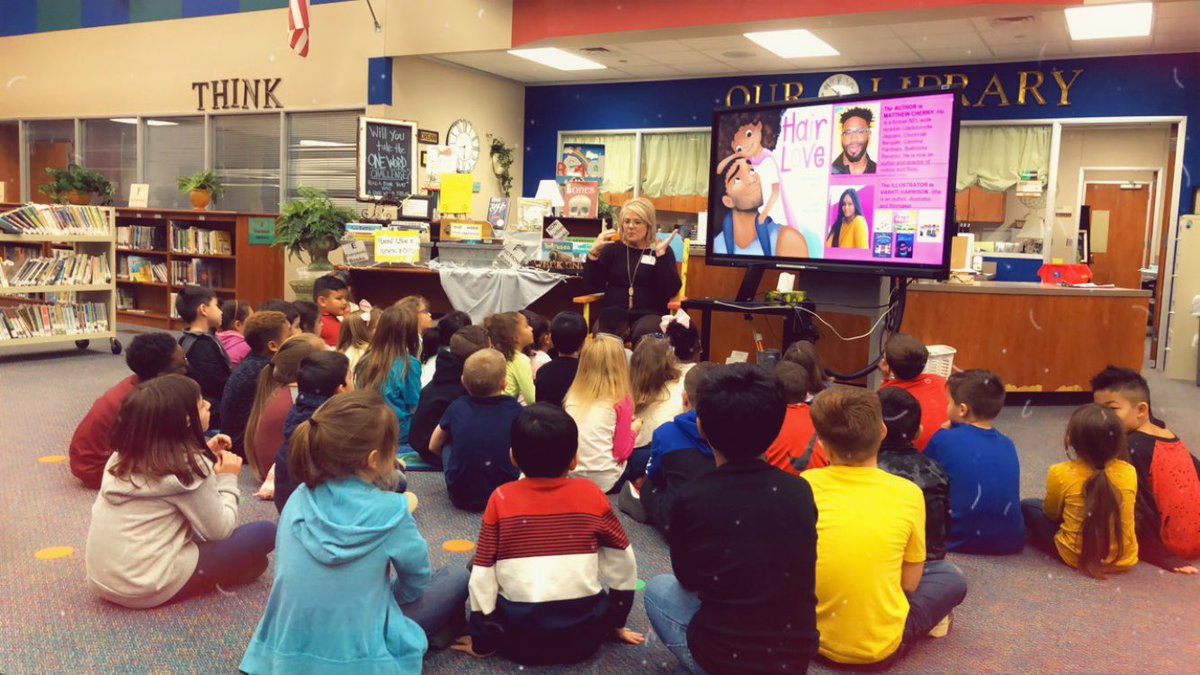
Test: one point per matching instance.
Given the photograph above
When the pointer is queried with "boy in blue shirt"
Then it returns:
(473, 436)
(985, 475)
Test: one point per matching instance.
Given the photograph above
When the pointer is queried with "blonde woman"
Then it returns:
(630, 266)
(599, 401)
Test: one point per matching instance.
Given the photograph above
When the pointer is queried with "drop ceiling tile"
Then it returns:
(966, 40)
(1179, 24)
(875, 48)
(656, 47)
(1033, 51)
(943, 27)
(830, 63)
(714, 68)
(653, 71)
(720, 44)
(689, 58)
(621, 60)
(954, 54)
(1111, 46)
(1176, 9)
(855, 36)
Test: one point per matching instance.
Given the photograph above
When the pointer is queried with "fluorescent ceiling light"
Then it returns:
(124, 120)
(557, 58)
(151, 123)
(792, 44)
(310, 143)
(1095, 22)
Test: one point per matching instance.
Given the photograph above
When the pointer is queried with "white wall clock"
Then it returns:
(465, 141)
(838, 84)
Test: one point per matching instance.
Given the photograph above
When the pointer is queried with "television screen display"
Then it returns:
(857, 184)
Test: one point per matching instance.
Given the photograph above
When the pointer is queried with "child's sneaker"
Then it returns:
(630, 501)
(942, 628)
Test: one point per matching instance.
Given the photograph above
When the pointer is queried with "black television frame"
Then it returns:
(940, 272)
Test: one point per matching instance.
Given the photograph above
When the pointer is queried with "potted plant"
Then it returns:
(76, 185)
(311, 225)
(502, 161)
(202, 187)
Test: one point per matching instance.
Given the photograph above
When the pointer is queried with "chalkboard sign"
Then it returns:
(387, 159)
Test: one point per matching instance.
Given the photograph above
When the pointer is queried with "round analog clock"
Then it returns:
(465, 141)
(838, 84)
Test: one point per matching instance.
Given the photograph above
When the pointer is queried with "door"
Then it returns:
(1127, 211)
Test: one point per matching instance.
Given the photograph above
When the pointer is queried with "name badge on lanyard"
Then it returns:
(648, 259)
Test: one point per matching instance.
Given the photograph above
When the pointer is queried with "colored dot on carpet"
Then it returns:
(52, 459)
(640, 585)
(458, 546)
(54, 552)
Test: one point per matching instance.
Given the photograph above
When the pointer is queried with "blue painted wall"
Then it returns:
(21, 17)
(1107, 87)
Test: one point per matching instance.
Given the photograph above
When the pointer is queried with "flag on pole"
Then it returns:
(298, 26)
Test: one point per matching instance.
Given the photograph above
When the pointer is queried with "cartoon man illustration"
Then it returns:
(856, 142)
(743, 231)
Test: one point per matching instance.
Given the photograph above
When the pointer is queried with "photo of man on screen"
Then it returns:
(743, 230)
(856, 142)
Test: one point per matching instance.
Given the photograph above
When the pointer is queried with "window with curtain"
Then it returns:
(620, 171)
(111, 148)
(675, 164)
(51, 144)
(246, 157)
(994, 156)
(174, 148)
(10, 162)
(321, 154)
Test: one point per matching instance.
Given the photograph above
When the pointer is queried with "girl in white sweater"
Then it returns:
(163, 525)
(599, 402)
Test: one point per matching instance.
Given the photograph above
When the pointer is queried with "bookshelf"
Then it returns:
(60, 287)
(160, 250)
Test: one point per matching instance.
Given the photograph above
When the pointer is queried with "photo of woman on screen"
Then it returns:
(849, 228)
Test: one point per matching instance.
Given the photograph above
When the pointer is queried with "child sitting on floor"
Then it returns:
(537, 350)
(445, 388)
(743, 543)
(310, 315)
(472, 438)
(876, 593)
(321, 376)
(568, 331)
(1087, 518)
(1168, 495)
(601, 406)
(266, 332)
(511, 334)
(656, 384)
(355, 336)
(985, 474)
(904, 359)
(207, 362)
(804, 354)
(273, 398)
(286, 308)
(233, 321)
(330, 608)
(548, 547)
(795, 448)
(164, 526)
(899, 457)
(332, 297)
(437, 337)
(148, 356)
(391, 367)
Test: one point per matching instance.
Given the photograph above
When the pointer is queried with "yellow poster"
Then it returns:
(456, 193)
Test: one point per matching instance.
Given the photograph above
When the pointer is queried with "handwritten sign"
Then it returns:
(397, 247)
(466, 231)
(387, 153)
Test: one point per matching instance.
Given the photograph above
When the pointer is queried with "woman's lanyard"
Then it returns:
(632, 273)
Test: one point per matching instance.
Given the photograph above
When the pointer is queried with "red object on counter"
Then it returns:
(1065, 275)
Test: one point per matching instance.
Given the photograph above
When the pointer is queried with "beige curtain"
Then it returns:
(619, 169)
(994, 157)
(675, 164)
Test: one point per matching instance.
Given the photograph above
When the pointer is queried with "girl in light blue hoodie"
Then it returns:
(331, 609)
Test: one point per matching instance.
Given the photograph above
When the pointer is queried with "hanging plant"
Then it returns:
(502, 161)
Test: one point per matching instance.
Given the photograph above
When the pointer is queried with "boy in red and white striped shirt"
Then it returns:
(547, 548)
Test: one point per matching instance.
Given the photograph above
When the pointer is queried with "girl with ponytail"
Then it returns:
(1086, 519)
(273, 399)
(337, 531)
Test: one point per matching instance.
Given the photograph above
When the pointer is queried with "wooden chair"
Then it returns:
(673, 305)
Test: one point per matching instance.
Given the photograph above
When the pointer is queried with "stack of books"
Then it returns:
(26, 321)
(138, 268)
(143, 237)
(67, 268)
(197, 271)
(50, 219)
(200, 241)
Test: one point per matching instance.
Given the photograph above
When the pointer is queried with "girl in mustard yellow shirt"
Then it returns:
(1086, 519)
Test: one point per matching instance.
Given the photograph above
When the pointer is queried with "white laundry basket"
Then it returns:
(941, 360)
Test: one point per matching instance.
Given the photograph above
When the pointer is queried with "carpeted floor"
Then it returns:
(1023, 613)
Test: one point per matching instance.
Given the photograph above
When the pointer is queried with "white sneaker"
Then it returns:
(942, 628)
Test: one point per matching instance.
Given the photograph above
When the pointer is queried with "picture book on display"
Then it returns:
(497, 213)
(582, 199)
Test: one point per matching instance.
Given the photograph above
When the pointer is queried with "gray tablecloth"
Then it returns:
(480, 291)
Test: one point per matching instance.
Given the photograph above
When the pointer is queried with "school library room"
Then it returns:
(485, 336)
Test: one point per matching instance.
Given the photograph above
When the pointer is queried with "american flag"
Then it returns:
(298, 26)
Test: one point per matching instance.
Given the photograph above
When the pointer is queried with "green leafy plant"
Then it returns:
(202, 180)
(606, 211)
(76, 178)
(502, 158)
(312, 224)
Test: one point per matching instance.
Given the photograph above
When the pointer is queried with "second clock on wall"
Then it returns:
(465, 141)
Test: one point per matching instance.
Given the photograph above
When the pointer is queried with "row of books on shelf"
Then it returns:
(201, 241)
(139, 268)
(145, 237)
(43, 320)
(127, 302)
(197, 271)
(62, 268)
(52, 219)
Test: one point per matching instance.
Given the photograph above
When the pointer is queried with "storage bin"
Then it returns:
(468, 254)
(941, 360)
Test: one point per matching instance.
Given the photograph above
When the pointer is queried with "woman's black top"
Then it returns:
(654, 284)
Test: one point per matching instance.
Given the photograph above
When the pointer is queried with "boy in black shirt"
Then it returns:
(567, 331)
(899, 457)
(743, 543)
(207, 362)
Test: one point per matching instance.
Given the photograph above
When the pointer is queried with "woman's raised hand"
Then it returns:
(662, 246)
(606, 237)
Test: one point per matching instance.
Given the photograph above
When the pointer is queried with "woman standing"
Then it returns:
(639, 273)
(849, 229)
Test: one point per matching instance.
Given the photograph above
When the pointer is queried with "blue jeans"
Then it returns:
(670, 608)
(238, 560)
(445, 595)
(943, 587)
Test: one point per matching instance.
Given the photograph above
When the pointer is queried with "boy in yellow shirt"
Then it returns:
(876, 594)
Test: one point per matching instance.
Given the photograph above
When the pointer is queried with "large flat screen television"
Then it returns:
(855, 184)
